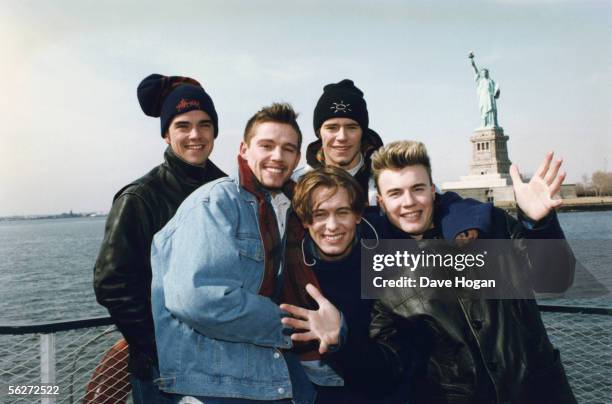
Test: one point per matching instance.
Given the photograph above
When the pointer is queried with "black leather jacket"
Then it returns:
(122, 273)
(481, 351)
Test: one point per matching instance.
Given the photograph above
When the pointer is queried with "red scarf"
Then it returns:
(295, 273)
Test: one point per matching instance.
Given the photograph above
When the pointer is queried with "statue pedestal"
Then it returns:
(489, 178)
(489, 152)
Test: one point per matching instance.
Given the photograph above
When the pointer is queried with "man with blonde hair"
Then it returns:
(463, 349)
(484, 353)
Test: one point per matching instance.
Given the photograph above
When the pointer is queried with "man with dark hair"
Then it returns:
(218, 276)
(122, 273)
(345, 140)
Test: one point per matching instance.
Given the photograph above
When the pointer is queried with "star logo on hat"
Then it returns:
(340, 107)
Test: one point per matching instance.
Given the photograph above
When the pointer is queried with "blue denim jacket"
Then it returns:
(216, 335)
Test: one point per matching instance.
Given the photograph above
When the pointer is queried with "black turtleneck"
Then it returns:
(363, 364)
(340, 283)
(190, 175)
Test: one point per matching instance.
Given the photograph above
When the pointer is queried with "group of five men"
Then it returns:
(247, 288)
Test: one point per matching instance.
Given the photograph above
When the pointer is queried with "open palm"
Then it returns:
(322, 324)
(535, 198)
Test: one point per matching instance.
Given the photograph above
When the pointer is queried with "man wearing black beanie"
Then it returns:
(122, 273)
(341, 123)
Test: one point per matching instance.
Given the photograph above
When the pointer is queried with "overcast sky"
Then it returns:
(73, 132)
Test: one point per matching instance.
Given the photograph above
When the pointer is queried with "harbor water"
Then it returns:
(46, 271)
(46, 265)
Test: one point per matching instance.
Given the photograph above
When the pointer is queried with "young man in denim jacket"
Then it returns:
(218, 277)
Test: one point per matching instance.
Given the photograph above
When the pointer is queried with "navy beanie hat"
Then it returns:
(168, 96)
(341, 100)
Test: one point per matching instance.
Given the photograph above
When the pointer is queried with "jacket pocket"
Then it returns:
(250, 248)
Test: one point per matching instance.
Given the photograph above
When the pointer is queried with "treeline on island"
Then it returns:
(600, 184)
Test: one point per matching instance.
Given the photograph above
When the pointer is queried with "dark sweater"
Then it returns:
(356, 360)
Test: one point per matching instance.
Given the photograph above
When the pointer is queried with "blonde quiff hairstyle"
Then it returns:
(400, 154)
(329, 177)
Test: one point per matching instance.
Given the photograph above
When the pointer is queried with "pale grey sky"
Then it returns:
(73, 133)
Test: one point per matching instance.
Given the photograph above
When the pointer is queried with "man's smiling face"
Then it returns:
(333, 223)
(272, 153)
(341, 139)
(191, 136)
(407, 197)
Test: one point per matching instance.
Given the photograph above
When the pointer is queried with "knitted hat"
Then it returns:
(341, 100)
(168, 96)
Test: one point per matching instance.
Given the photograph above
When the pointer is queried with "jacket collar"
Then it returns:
(248, 181)
(191, 173)
(392, 232)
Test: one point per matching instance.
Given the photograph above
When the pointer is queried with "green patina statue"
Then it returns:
(488, 92)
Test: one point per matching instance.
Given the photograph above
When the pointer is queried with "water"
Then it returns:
(46, 274)
(46, 269)
(46, 266)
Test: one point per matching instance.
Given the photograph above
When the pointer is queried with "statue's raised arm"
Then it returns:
(471, 56)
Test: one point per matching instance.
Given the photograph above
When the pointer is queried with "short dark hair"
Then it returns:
(277, 112)
(326, 177)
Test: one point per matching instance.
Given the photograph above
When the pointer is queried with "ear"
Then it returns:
(167, 138)
(433, 191)
(358, 219)
(243, 150)
(380, 202)
(297, 161)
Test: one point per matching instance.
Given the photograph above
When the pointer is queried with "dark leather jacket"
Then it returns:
(482, 351)
(122, 273)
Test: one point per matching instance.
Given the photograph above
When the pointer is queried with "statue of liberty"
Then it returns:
(488, 92)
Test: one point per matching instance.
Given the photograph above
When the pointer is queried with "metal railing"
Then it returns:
(583, 335)
(60, 362)
(68, 354)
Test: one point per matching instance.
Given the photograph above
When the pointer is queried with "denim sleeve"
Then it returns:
(203, 278)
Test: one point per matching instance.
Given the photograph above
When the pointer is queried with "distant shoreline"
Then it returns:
(58, 216)
(583, 204)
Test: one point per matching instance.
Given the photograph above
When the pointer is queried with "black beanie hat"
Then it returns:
(341, 100)
(168, 96)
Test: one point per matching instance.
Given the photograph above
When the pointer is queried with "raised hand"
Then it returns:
(535, 198)
(322, 324)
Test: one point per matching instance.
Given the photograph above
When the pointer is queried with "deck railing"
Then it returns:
(66, 354)
(59, 360)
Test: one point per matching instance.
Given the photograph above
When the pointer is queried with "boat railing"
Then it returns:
(55, 362)
(66, 354)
